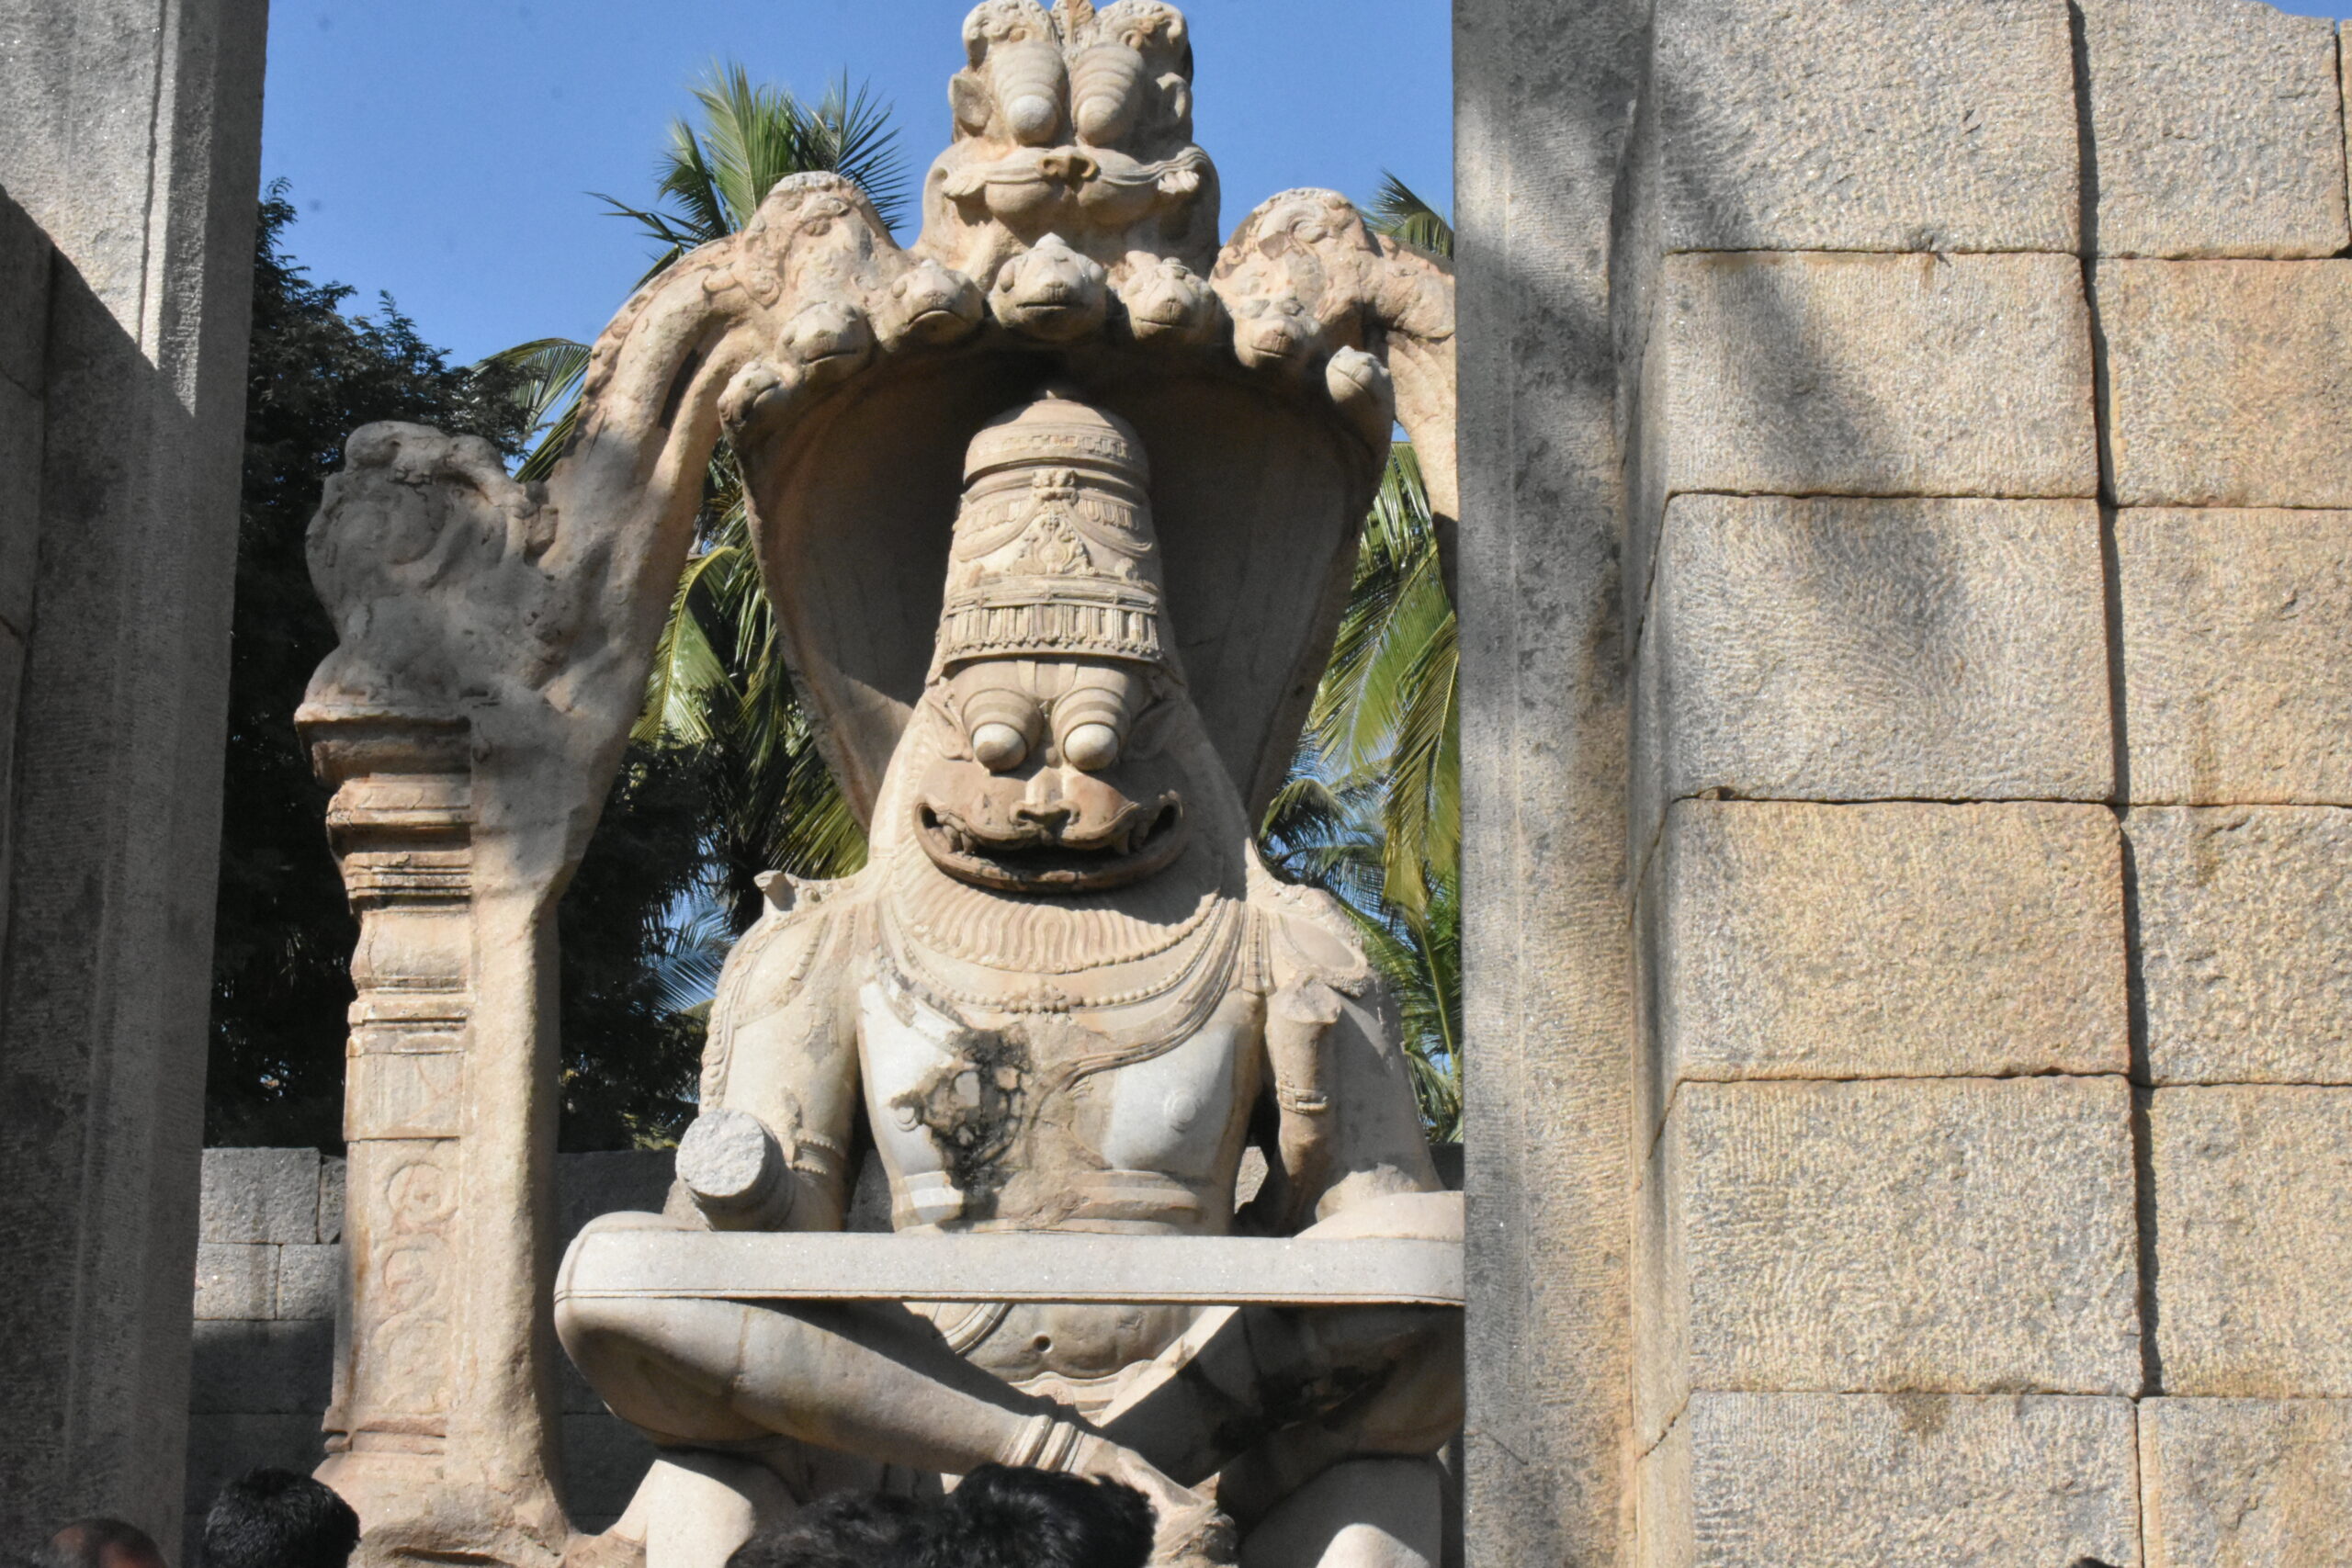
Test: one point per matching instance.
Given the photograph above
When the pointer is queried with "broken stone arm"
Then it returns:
(1348, 1128)
(771, 1149)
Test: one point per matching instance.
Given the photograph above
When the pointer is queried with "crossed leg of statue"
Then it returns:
(1316, 1421)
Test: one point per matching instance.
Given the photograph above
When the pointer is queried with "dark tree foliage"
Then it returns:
(629, 1061)
(283, 935)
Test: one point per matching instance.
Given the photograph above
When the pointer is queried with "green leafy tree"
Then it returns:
(632, 1045)
(1399, 212)
(281, 983)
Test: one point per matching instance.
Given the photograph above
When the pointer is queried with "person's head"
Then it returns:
(847, 1529)
(1003, 1517)
(104, 1544)
(275, 1518)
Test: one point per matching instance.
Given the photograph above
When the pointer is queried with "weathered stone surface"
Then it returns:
(2230, 381)
(333, 1173)
(576, 1396)
(262, 1368)
(12, 677)
(1872, 374)
(1827, 126)
(132, 139)
(2217, 130)
(1844, 649)
(20, 436)
(1862, 1480)
(2253, 1234)
(608, 1181)
(2245, 942)
(1888, 940)
(869, 1200)
(2237, 1482)
(309, 1281)
(236, 1281)
(1889, 1236)
(2237, 655)
(25, 253)
(1543, 728)
(261, 1195)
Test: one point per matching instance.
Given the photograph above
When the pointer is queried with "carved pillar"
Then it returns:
(437, 1429)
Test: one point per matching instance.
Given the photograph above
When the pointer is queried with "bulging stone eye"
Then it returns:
(1033, 117)
(1091, 747)
(999, 746)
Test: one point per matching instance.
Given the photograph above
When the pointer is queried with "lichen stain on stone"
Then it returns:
(1922, 1414)
(975, 1105)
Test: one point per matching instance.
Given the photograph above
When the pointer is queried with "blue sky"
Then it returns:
(442, 150)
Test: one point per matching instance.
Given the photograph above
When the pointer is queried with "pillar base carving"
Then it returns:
(439, 1452)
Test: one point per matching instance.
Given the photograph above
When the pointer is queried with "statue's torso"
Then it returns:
(1080, 1066)
(1001, 1128)
(1061, 1094)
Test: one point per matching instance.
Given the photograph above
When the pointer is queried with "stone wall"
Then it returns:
(129, 154)
(270, 1283)
(25, 258)
(268, 1276)
(1542, 88)
(1983, 390)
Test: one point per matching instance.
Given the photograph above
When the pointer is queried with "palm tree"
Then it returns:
(720, 686)
(1371, 812)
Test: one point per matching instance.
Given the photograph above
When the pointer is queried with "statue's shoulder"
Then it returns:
(806, 933)
(1305, 937)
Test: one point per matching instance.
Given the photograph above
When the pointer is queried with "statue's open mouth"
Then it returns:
(1047, 858)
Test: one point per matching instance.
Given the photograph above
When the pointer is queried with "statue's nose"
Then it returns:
(1053, 816)
(1042, 804)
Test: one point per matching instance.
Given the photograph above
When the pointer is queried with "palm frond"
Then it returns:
(658, 225)
(686, 668)
(547, 372)
(712, 179)
(852, 134)
(1419, 961)
(693, 951)
(1400, 213)
(752, 137)
(540, 460)
(1371, 810)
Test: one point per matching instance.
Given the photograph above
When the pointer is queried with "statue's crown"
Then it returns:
(1054, 554)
